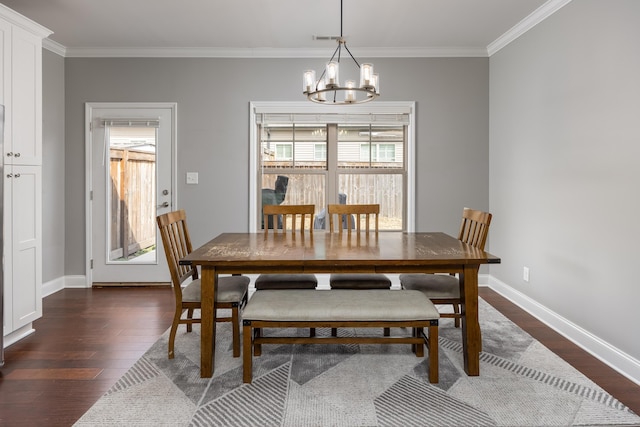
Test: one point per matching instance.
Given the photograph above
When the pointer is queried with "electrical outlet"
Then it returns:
(192, 177)
(525, 274)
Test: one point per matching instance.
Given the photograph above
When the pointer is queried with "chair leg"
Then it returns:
(172, 333)
(189, 316)
(235, 327)
(456, 310)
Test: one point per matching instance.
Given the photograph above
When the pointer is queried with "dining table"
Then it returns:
(323, 252)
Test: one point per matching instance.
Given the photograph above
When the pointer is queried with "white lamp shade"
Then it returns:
(366, 76)
(332, 75)
(309, 81)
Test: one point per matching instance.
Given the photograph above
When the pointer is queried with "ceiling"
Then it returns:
(281, 28)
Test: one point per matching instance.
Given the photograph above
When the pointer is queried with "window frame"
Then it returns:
(401, 107)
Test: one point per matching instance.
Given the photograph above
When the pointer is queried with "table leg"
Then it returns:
(208, 286)
(471, 338)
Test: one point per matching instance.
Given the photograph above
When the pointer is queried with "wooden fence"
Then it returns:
(133, 202)
(383, 189)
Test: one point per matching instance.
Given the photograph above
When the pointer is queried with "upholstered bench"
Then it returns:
(339, 308)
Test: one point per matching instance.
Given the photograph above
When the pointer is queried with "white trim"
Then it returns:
(18, 334)
(305, 107)
(52, 286)
(224, 52)
(600, 349)
(538, 15)
(54, 47)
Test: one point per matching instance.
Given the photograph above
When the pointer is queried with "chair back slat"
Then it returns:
(474, 228)
(355, 213)
(177, 244)
(288, 213)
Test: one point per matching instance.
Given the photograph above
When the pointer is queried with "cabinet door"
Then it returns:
(26, 243)
(5, 65)
(26, 99)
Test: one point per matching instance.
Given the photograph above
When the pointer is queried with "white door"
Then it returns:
(131, 156)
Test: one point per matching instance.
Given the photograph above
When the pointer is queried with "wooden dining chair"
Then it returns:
(350, 218)
(295, 219)
(445, 288)
(232, 291)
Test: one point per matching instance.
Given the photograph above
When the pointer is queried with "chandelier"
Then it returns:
(327, 89)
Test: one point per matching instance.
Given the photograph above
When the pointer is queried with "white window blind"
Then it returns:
(138, 122)
(302, 118)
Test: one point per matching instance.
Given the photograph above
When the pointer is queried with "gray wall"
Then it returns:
(213, 95)
(565, 144)
(53, 168)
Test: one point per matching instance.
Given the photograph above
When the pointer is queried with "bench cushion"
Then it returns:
(301, 305)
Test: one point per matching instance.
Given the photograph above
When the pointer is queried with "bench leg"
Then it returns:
(247, 366)
(433, 353)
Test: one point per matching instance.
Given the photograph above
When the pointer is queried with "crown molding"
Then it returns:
(539, 15)
(125, 52)
(54, 47)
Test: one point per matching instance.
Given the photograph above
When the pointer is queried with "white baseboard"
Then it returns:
(600, 349)
(53, 286)
(76, 282)
(18, 334)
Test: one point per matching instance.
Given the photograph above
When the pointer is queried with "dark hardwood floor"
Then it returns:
(88, 338)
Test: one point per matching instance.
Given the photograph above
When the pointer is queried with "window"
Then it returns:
(357, 154)
(320, 151)
(284, 151)
(378, 152)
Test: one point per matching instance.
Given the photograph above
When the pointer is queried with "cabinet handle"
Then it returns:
(16, 175)
(9, 175)
(17, 155)
(9, 154)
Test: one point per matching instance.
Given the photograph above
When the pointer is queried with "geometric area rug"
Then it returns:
(521, 383)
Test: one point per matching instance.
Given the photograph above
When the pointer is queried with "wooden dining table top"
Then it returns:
(393, 252)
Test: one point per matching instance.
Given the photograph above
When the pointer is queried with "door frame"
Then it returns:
(89, 109)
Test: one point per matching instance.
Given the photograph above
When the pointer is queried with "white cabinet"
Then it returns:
(23, 245)
(21, 95)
